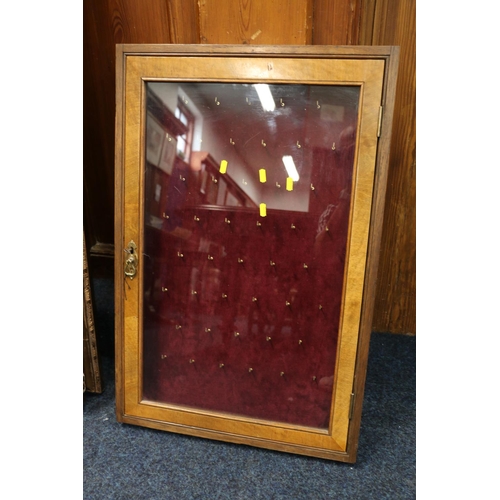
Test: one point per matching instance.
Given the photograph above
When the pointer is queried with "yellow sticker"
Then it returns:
(262, 175)
(289, 184)
(263, 209)
(223, 166)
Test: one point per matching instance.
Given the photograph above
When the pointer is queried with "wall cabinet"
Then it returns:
(249, 198)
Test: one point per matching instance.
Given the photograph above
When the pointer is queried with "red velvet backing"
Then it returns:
(241, 312)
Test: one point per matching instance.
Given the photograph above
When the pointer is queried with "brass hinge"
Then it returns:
(379, 127)
(351, 406)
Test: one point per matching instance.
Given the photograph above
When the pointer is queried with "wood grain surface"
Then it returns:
(336, 23)
(255, 22)
(395, 305)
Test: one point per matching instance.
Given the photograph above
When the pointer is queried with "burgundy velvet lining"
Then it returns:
(247, 322)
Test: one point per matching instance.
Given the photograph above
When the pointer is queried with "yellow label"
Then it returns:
(263, 209)
(262, 175)
(289, 184)
(223, 166)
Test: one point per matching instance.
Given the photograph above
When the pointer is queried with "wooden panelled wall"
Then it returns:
(301, 22)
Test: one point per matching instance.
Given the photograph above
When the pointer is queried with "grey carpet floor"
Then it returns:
(124, 462)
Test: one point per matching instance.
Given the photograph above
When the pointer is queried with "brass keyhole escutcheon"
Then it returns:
(132, 260)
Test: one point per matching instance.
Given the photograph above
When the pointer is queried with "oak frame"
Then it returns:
(375, 69)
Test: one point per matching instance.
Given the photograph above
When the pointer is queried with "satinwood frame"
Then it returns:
(374, 69)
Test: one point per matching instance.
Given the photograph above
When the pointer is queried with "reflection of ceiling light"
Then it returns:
(290, 168)
(265, 96)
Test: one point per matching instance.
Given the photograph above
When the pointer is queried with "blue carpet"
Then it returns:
(128, 462)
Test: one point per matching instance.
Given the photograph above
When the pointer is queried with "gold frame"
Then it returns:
(374, 70)
(91, 363)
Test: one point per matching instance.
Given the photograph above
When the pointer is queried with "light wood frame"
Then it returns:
(374, 69)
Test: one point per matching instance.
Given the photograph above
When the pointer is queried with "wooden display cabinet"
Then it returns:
(250, 186)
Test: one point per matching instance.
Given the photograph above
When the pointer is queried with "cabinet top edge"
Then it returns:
(258, 50)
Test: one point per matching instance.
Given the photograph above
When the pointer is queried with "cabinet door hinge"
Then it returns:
(351, 406)
(379, 127)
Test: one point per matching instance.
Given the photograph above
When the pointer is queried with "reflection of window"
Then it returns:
(184, 141)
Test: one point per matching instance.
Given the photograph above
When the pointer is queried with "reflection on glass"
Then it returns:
(246, 217)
